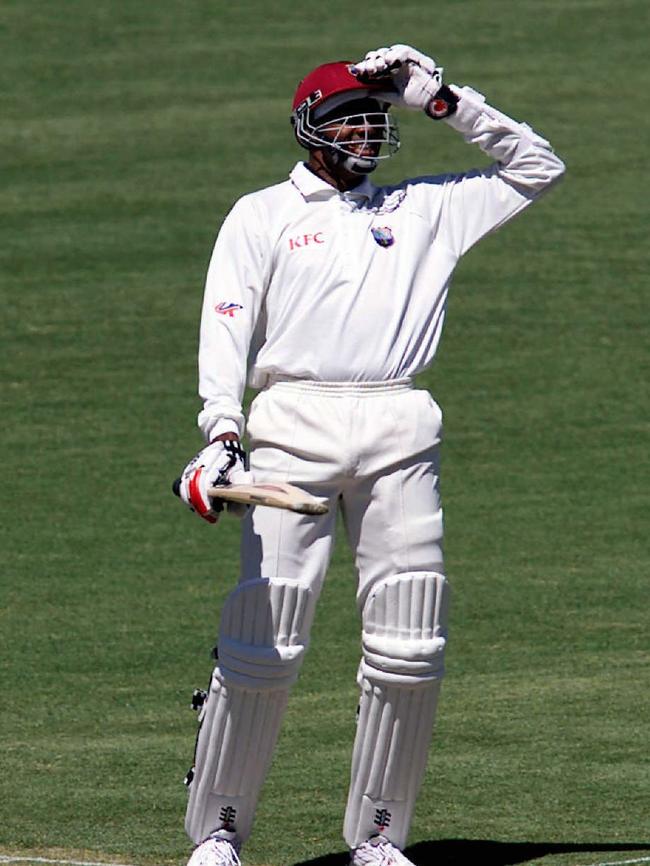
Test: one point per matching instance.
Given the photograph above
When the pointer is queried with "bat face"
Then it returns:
(282, 495)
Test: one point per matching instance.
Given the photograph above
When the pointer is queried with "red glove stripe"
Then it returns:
(196, 499)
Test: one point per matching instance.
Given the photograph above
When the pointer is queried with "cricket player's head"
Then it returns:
(344, 121)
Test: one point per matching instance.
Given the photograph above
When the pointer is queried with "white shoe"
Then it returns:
(219, 849)
(378, 851)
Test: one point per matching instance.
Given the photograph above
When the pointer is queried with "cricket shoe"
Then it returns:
(219, 849)
(378, 851)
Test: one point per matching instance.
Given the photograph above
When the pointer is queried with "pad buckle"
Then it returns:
(199, 697)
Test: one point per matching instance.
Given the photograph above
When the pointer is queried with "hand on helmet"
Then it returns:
(220, 463)
(415, 77)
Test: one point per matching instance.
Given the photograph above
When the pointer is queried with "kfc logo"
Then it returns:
(300, 241)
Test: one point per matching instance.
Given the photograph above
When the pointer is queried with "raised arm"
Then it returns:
(525, 166)
(478, 201)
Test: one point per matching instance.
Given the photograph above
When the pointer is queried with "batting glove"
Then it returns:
(220, 463)
(415, 77)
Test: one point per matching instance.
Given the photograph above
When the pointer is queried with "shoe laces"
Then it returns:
(223, 851)
(231, 856)
(378, 853)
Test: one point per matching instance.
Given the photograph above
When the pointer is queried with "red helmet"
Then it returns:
(329, 80)
(326, 88)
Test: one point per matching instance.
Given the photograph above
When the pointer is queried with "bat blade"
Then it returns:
(281, 495)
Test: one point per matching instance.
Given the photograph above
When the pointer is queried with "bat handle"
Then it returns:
(176, 488)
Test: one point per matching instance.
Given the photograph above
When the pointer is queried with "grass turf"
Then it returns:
(127, 130)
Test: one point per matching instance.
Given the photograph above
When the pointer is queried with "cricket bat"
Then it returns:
(280, 495)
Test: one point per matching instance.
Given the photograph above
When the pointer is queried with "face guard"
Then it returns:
(354, 139)
(334, 111)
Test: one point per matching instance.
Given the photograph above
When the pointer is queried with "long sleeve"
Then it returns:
(525, 166)
(233, 298)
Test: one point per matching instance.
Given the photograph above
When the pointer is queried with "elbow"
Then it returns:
(537, 175)
(555, 170)
(549, 170)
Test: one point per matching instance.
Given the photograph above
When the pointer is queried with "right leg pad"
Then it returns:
(262, 639)
(264, 633)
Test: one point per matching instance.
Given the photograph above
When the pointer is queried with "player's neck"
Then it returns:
(335, 176)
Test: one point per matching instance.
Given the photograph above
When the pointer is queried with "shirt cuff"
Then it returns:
(221, 425)
(470, 107)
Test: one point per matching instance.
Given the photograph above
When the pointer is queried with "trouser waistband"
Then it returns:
(357, 389)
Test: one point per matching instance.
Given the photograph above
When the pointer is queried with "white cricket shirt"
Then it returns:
(309, 282)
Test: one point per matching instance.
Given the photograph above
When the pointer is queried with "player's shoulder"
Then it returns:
(257, 214)
(265, 200)
(415, 184)
(412, 190)
(268, 194)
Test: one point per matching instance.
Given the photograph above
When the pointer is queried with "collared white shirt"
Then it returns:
(312, 283)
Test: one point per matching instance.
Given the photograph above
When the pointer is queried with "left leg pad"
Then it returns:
(404, 637)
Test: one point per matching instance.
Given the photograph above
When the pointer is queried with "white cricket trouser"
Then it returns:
(373, 449)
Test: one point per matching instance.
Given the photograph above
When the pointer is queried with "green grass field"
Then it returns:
(127, 129)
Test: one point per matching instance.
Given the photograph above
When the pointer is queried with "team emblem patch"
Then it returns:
(227, 309)
(383, 235)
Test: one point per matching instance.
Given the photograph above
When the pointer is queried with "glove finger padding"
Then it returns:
(373, 64)
(403, 54)
(221, 463)
(415, 76)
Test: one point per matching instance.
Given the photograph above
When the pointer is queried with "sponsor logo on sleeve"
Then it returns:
(226, 308)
